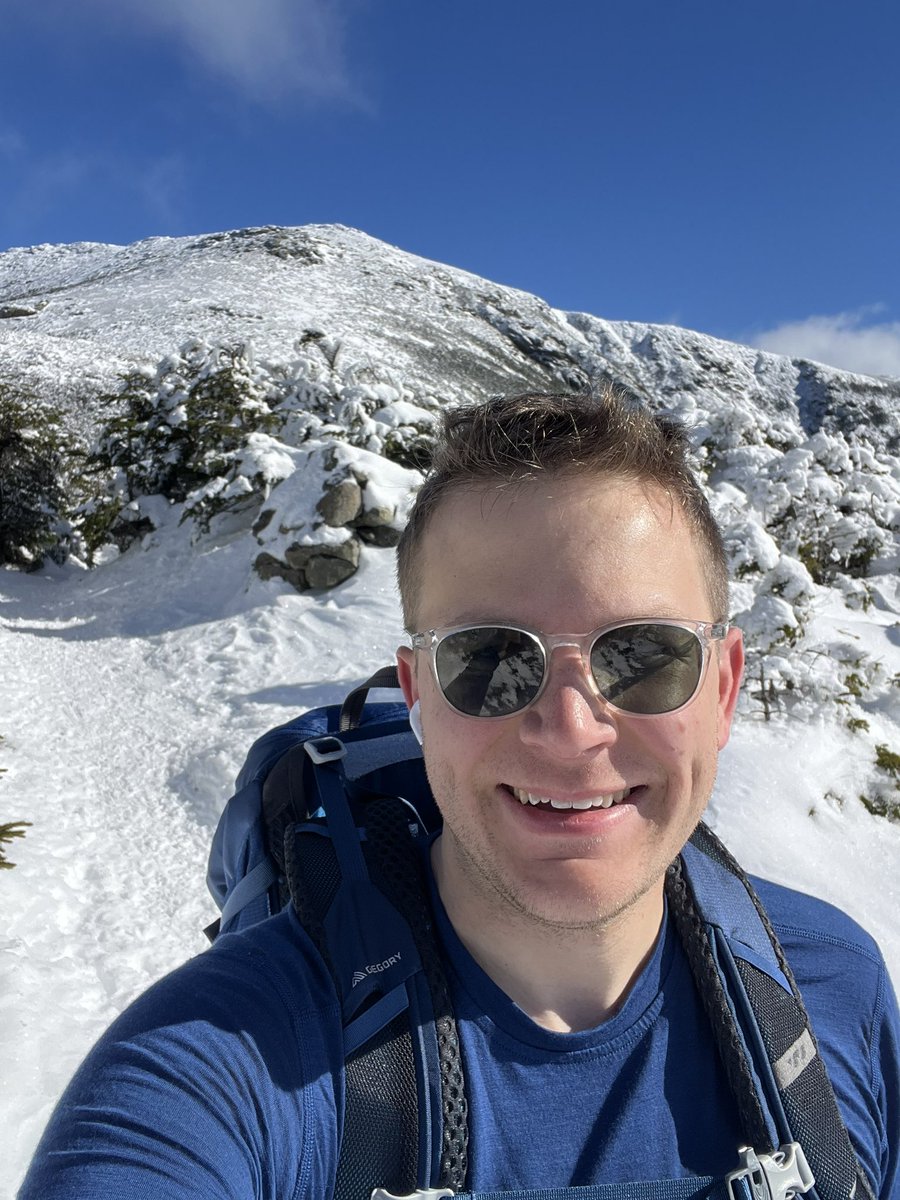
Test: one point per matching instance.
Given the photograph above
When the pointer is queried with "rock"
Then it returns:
(341, 502)
(17, 310)
(326, 570)
(320, 566)
(269, 567)
(262, 521)
(379, 535)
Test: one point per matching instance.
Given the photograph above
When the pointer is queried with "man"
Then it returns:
(573, 677)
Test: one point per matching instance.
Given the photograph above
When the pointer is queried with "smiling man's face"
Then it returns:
(565, 555)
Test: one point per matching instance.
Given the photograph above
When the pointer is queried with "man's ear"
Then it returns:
(406, 673)
(730, 664)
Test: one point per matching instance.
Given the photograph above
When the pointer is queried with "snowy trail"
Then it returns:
(122, 740)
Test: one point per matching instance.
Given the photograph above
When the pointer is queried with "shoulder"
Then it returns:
(226, 1076)
(273, 963)
(267, 980)
(821, 941)
(838, 966)
(257, 1009)
(853, 1010)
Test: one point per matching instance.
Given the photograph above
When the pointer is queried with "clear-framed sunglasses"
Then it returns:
(644, 667)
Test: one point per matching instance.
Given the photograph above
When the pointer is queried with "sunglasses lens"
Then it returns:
(647, 669)
(489, 671)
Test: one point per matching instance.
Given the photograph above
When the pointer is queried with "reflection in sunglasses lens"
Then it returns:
(489, 672)
(647, 668)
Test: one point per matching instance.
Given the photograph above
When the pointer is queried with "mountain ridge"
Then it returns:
(98, 310)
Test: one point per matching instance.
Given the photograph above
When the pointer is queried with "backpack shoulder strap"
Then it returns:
(352, 855)
(759, 1020)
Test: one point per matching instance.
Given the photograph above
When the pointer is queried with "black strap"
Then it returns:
(354, 702)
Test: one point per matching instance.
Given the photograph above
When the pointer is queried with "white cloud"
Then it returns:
(849, 340)
(269, 49)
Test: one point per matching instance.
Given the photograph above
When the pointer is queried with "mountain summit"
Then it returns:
(73, 317)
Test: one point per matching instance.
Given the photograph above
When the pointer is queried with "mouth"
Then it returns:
(562, 804)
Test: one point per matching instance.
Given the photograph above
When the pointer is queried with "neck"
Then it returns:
(586, 971)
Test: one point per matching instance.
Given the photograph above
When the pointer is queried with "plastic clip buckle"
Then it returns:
(776, 1176)
(325, 749)
(422, 1194)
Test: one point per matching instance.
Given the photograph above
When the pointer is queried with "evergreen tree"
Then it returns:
(172, 433)
(35, 459)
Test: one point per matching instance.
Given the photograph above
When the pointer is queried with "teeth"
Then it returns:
(582, 805)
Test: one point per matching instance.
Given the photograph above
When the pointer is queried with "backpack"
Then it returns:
(331, 811)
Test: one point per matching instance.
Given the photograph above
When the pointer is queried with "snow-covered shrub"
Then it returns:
(829, 504)
(36, 459)
(333, 389)
(802, 518)
(183, 432)
(211, 431)
(883, 797)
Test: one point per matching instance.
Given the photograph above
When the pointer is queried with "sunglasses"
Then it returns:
(639, 667)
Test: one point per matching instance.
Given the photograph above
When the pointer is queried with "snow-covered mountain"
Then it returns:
(72, 317)
(130, 692)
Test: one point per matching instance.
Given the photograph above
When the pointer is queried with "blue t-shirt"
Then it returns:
(225, 1079)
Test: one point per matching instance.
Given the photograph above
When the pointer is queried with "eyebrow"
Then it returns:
(665, 614)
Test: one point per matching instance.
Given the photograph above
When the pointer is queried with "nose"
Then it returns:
(569, 719)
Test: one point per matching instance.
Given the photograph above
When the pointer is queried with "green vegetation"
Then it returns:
(176, 433)
(882, 806)
(12, 829)
(887, 760)
(824, 562)
(35, 464)
(855, 685)
(882, 803)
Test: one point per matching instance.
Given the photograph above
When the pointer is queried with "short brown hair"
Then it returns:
(510, 439)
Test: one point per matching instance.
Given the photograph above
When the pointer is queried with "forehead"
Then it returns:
(560, 553)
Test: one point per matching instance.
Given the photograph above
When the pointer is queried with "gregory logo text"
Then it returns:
(375, 968)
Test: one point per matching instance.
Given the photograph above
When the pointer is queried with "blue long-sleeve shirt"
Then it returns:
(225, 1079)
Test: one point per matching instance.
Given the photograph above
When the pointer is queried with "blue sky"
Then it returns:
(729, 167)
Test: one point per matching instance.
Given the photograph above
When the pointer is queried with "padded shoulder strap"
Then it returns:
(758, 1017)
(357, 881)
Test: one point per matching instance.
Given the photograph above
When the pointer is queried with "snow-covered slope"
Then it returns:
(97, 309)
(130, 693)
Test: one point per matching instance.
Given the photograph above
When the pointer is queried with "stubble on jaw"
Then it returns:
(505, 901)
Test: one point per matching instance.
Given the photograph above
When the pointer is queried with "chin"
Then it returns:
(579, 904)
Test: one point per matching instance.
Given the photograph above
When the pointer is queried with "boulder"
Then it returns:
(341, 502)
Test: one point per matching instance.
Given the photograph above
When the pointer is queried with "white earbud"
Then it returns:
(415, 721)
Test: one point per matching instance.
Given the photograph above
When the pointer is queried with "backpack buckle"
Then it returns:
(325, 749)
(776, 1176)
(422, 1194)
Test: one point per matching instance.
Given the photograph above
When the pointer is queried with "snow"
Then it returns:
(131, 693)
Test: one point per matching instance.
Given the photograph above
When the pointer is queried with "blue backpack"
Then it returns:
(330, 813)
